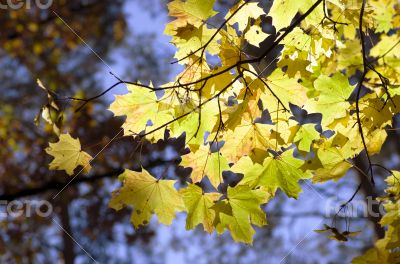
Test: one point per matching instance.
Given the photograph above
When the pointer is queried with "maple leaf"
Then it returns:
(332, 161)
(385, 45)
(245, 111)
(216, 85)
(384, 11)
(279, 172)
(204, 162)
(68, 155)
(249, 10)
(305, 136)
(251, 139)
(255, 35)
(230, 52)
(139, 106)
(298, 62)
(239, 211)
(198, 205)
(147, 195)
(284, 11)
(195, 124)
(393, 183)
(192, 12)
(192, 39)
(287, 89)
(334, 172)
(332, 101)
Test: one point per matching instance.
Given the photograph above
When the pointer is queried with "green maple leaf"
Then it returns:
(198, 205)
(333, 160)
(147, 195)
(239, 211)
(332, 101)
(305, 136)
(279, 172)
(194, 128)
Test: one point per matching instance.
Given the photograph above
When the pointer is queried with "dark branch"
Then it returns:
(57, 185)
(359, 88)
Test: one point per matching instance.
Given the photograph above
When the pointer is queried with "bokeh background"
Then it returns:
(71, 48)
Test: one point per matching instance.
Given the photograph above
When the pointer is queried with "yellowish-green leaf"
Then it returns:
(68, 155)
(193, 12)
(252, 139)
(305, 136)
(283, 12)
(140, 106)
(147, 195)
(249, 10)
(192, 125)
(279, 172)
(204, 162)
(192, 39)
(198, 205)
(239, 211)
(255, 35)
(332, 101)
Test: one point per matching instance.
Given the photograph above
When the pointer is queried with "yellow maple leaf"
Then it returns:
(139, 106)
(251, 139)
(68, 155)
(249, 10)
(255, 35)
(204, 162)
(193, 12)
(190, 39)
(147, 195)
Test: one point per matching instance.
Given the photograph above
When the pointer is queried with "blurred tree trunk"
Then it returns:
(68, 243)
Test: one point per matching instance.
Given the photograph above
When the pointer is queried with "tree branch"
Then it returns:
(57, 185)
(359, 88)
